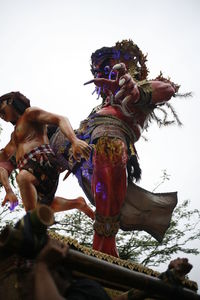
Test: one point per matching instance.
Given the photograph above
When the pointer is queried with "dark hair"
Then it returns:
(102, 55)
(18, 101)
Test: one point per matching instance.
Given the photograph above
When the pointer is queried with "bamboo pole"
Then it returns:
(111, 273)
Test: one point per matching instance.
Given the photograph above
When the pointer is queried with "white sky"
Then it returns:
(45, 49)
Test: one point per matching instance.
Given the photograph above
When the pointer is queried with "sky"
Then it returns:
(45, 54)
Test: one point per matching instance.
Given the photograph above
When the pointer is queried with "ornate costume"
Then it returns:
(107, 178)
(114, 135)
(113, 128)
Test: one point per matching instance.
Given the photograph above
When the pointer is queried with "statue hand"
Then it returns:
(123, 87)
(128, 90)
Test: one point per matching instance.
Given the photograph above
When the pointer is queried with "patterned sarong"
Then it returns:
(42, 163)
(33, 153)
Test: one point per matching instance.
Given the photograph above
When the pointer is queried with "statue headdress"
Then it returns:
(125, 51)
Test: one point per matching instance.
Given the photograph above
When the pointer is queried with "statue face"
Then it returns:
(104, 69)
(7, 112)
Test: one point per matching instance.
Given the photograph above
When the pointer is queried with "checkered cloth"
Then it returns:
(46, 148)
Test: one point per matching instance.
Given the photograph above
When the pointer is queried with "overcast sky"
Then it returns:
(45, 49)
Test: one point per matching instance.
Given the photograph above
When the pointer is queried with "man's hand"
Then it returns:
(12, 198)
(80, 149)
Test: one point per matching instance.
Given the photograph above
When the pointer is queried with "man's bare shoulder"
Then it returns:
(32, 112)
(32, 109)
(38, 115)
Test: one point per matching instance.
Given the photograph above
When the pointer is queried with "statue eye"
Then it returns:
(106, 70)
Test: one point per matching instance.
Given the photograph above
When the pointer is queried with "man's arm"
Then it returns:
(8, 166)
(80, 148)
(8, 151)
(5, 169)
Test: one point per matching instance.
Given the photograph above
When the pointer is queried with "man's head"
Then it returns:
(102, 60)
(12, 104)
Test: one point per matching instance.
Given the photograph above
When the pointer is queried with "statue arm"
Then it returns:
(145, 92)
(161, 91)
(129, 92)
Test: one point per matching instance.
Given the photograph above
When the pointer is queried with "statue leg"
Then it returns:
(109, 189)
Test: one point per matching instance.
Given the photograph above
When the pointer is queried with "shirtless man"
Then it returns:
(39, 172)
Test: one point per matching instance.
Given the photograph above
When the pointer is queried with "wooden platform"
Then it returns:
(116, 275)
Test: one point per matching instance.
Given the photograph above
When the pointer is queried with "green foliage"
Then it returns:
(77, 225)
